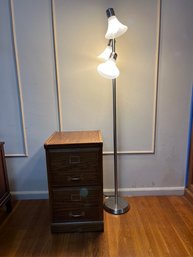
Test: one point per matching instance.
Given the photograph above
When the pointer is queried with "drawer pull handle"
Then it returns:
(74, 179)
(82, 214)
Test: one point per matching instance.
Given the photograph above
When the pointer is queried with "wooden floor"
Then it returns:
(155, 226)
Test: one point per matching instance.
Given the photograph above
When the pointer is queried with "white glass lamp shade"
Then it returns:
(106, 53)
(109, 69)
(115, 27)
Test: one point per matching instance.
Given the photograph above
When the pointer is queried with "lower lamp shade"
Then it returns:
(108, 69)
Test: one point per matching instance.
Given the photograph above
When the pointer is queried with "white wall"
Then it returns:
(149, 162)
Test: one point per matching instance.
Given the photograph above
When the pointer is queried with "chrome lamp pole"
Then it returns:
(113, 204)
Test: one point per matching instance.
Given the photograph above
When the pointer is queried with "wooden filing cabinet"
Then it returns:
(5, 196)
(75, 181)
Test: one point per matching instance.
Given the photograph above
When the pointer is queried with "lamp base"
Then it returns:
(121, 207)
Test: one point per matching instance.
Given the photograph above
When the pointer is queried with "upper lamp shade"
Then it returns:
(115, 27)
(109, 69)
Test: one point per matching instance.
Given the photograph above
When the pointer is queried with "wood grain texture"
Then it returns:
(74, 137)
(75, 181)
(80, 166)
(189, 186)
(190, 168)
(5, 196)
(154, 227)
(189, 195)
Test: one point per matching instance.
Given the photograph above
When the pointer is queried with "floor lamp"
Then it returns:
(113, 204)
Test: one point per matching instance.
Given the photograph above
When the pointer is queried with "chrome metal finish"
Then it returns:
(116, 205)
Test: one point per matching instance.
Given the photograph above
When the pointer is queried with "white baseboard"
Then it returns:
(29, 195)
(144, 191)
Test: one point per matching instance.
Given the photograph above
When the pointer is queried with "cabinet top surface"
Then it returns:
(74, 138)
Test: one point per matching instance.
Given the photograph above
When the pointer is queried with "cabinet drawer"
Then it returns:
(75, 180)
(73, 161)
(79, 196)
(62, 178)
(61, 214)
(73, 168)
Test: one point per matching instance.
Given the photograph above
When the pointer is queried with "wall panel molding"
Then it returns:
(155, 100)
(57, 75)
(156, 77)
(18, 78)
